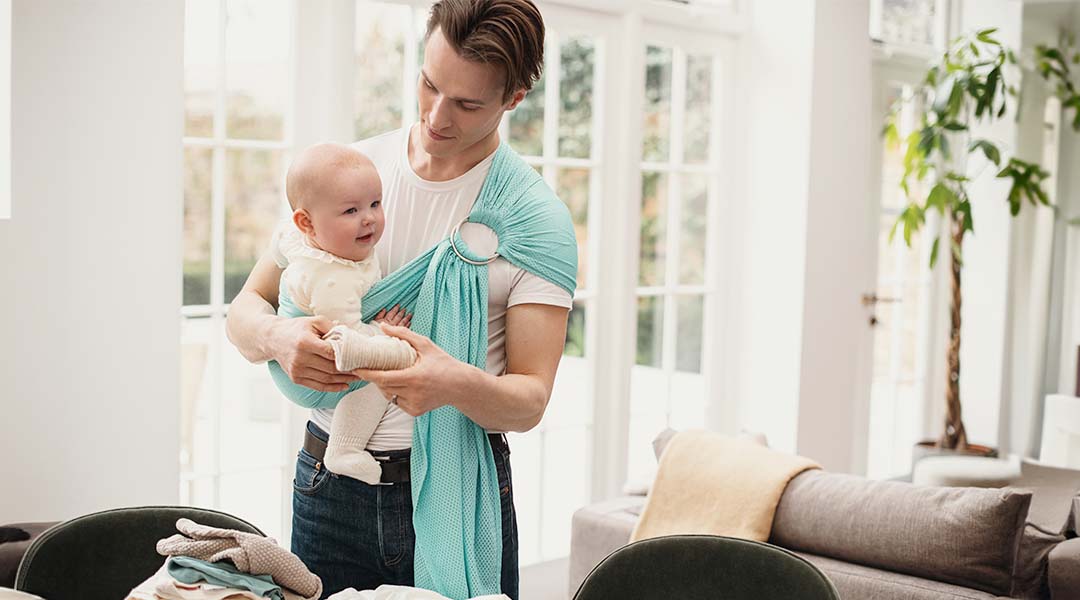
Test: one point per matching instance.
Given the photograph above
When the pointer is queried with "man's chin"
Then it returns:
(438, 149)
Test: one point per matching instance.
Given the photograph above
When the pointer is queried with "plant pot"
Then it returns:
(930, 448)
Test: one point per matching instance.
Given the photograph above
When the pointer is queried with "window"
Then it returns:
(910, 23)
(555, 130)
(240, 436)
(234, 454)
(679, 183)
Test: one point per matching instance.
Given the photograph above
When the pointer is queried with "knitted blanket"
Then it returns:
(714, 484)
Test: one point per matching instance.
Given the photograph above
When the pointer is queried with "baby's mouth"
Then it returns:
(365, 238)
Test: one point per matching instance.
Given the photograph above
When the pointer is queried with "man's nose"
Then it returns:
(438, 111)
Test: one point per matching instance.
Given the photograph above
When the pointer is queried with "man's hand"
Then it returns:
(422, 387)
(305, 357)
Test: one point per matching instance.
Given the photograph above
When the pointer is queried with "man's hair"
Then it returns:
(508, 34)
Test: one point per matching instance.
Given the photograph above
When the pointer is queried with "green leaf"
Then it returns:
(934, 252)
(940, 197)
(955, 126)
(989, 150)
(892, 232)
(943, 94)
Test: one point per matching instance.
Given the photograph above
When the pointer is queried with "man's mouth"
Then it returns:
(435, 136)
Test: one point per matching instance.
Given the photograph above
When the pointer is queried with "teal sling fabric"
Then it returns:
(456, 512)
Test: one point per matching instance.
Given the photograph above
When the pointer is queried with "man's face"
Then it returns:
(461, 102)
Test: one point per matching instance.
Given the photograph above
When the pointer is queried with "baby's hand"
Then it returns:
(396, 316)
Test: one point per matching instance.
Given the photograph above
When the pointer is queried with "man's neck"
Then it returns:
(434, 168)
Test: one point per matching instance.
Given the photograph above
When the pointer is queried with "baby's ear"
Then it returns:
(302, 220)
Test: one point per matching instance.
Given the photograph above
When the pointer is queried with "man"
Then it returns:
(481, 58)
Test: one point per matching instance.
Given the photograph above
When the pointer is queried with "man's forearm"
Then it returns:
(511, 402)
(248, 326)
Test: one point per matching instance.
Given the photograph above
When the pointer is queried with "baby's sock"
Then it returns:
(362, 350)
(355, 419)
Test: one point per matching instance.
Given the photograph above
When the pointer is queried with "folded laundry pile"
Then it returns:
(398, 592)
(208, 563)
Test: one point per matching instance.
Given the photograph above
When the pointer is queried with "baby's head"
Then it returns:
(336, 197)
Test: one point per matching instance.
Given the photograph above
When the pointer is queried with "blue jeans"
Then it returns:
(356, 535)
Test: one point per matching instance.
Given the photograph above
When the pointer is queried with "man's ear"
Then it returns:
(516, 99)
(302, 220)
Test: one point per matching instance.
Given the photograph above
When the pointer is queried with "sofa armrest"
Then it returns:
(1063, 570)
(598, 530)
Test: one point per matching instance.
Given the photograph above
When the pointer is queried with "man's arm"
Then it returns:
(253, 326)
(516, 401)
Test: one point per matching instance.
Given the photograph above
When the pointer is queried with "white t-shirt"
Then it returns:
(420, 214)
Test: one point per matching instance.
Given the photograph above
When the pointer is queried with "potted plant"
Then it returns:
(968, 86)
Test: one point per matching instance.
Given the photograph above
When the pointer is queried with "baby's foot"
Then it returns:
(357, 464)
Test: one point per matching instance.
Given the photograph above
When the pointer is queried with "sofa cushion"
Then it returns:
(966, 536)
(867, 583)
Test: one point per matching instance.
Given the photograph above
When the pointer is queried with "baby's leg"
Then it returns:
(369, 348)
(355, 419)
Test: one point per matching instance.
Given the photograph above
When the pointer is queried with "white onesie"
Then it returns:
(323, 284)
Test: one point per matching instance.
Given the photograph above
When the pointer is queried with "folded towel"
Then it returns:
(714, 484)
(162, 586)
(192, 570)
(251, 553)
(400, 592)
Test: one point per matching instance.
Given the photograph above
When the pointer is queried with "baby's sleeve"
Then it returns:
(276, 251)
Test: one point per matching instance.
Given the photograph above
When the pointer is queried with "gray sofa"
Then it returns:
(884, 540)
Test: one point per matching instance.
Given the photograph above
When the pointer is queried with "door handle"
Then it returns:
(872, 298)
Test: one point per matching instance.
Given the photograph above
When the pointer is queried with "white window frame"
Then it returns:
(684, 43)
(219, 144)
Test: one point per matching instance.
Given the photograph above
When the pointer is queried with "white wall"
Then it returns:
(833, 402)
(797, 321)
(90, 310)
(775, 61)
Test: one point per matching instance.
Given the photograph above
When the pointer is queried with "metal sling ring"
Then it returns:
(453, 245)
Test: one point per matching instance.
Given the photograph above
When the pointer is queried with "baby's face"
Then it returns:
(348, 219)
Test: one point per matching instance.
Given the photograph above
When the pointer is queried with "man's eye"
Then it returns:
(469, 107)
(350, 211)
(428, 85)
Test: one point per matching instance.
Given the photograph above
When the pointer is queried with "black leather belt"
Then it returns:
(393, 471)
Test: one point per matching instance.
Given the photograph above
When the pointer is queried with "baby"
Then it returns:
(329, 260)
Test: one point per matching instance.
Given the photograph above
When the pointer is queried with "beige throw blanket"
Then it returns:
(713, 484)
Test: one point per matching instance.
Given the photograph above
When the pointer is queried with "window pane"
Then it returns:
(527, 122)
(576, 89)
(573, 188)
(657, 132)
(201, 41)
(575, 331)
(257, 50)
(256, 496)
(253, 205)
(650, 331)
(690, 326)
(908, 21)
(654, 191)
(693, 224)
(381, 31)
(197, 398)
(198, 167)
(698, 107)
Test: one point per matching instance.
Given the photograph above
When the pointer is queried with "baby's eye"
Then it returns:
(351, 211)
(376, 204)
